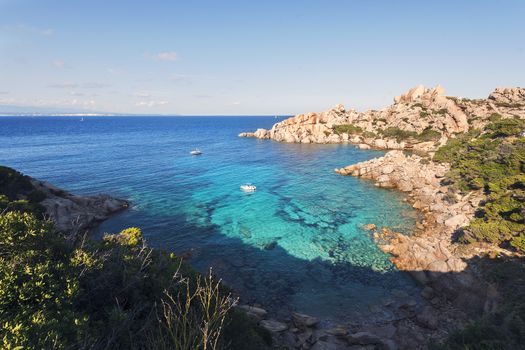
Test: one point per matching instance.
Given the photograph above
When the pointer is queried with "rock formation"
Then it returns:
(421, 119)
(508, 95)
(72, 213)
(426, 116)
(429, 254)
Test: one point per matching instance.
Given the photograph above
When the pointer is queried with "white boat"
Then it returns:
(196, 152)
(81, 119)
(248, 188)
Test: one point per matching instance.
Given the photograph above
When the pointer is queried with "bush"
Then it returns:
(429, 135)
(20, 192)
(115, 293)
(368, 134)
(506, 127)
(347, 129)
(397, 133)
(424, 114)
(496, 167)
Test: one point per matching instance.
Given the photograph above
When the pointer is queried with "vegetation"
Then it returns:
(424, 114)
(495, 166)
(17, 192)
(369, 134)
(347, 129)
(400, 134)
(429, 135)
(397, 133)
(111, 294)
(492, 161)
(509, 104)
(505, 328)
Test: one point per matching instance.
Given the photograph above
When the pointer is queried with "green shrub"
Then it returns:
(494, 117)
(18, 190)
(429, 135)
(115, 293)
(397, 133)
(131, 237)
(506, 127)
(347, 129)
(495, 166)
(510, 104)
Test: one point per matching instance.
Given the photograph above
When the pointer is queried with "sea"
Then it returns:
(295, 244)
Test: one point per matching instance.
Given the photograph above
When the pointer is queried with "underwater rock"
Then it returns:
(302, 320)
(369, 227)
(255, 312)
(274, 326)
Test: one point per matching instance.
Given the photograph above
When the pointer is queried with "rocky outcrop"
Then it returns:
(412, 328)
(72, 213)
(429, 254)
(508, 95)
(418, 111)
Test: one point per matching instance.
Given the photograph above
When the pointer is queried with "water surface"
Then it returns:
(296, 243)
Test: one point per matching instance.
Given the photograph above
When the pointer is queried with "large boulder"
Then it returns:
(508, 95)
(72, 213)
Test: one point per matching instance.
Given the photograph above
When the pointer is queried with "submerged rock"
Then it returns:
(302, 320)
(274, 326)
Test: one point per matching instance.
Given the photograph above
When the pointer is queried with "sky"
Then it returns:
(267, 57)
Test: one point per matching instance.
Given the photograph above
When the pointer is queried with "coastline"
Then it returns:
(72, 213)
(453, 285)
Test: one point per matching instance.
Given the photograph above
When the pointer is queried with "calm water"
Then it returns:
(296, 243)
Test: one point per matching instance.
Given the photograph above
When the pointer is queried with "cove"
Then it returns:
(294, 244)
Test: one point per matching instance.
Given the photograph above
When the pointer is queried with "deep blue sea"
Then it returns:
(294, 244)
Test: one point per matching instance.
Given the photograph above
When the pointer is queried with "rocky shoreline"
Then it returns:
(72, 213)
(419, 121)
(429, 254)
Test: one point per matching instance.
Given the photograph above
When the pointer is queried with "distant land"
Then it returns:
(36, 111)
(13, 110)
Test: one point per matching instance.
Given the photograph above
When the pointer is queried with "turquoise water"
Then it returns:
(294, 244)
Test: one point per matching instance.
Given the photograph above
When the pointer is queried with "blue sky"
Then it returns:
(247, 57)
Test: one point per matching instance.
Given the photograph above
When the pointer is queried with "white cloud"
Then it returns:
(49, 103)
(24, 28)
(151, 103)
(64, 85)
(167, 56)
(46, 32)
(89, 85)
(142, 94)
(236, 103)
(7, 101)
(95, 85)
(59, 64)
(182, 79)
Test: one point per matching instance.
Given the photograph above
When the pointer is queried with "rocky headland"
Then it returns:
(413, 128)
(72, 213)
(420, 119)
